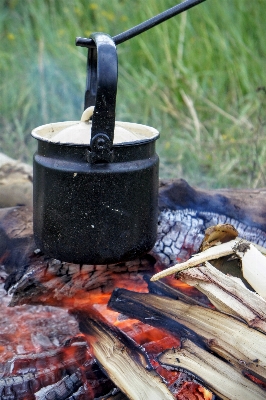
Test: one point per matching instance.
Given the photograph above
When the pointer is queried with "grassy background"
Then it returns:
(199, 78)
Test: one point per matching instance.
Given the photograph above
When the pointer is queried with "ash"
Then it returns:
(180, 233)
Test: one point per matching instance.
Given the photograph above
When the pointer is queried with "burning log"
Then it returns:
(221, 334)
(54, 282)
(86, 383)
(57, 373)
(218, 375)
(125, 364)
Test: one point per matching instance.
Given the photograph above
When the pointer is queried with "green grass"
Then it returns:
(194, 77)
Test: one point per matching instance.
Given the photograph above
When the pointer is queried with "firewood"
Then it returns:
(62, 389)
(229, 338)
(252, 260)
(211, 253)
(125, 364)
(218, 375)
(227, 295)
(253, 266)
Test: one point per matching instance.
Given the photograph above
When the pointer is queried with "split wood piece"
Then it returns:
(162, 289)
(253, 266)
(227, 294)
(253, 262)
(126, 365)
(211, 253)
(219, 376)
(243, 347)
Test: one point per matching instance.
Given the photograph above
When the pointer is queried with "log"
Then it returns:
(184, 215)
(242, 205)
(53, 374)
(125, 364)
(15, 182)
(186, 212)
(242, 347)
(218, 375)
(86, 383)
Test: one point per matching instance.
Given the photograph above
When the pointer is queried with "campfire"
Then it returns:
(111, 332)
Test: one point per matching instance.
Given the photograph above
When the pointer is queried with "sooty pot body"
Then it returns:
(95, 213)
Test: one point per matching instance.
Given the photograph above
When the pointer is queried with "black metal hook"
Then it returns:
(101, 88)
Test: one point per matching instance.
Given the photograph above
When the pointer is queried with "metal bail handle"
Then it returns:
(101, 88)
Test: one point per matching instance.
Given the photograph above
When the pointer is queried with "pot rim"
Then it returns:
(46, 132)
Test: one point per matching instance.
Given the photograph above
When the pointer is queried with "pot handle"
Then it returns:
(101, 88)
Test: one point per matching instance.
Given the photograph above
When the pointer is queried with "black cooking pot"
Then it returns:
(95, 200)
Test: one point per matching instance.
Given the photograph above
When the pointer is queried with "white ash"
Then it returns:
(180, 233)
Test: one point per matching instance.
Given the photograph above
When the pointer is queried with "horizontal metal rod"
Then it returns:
(144, 26)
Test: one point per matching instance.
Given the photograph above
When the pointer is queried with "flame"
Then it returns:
(206, 393)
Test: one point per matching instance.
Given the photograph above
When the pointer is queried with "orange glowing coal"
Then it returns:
(95, 302)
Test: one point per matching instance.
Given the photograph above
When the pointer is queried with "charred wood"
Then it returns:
(181, 231)
(162, 289)
(115, 394)
(25, 374)
(243, 205)
(53, 282)
(56, 380)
